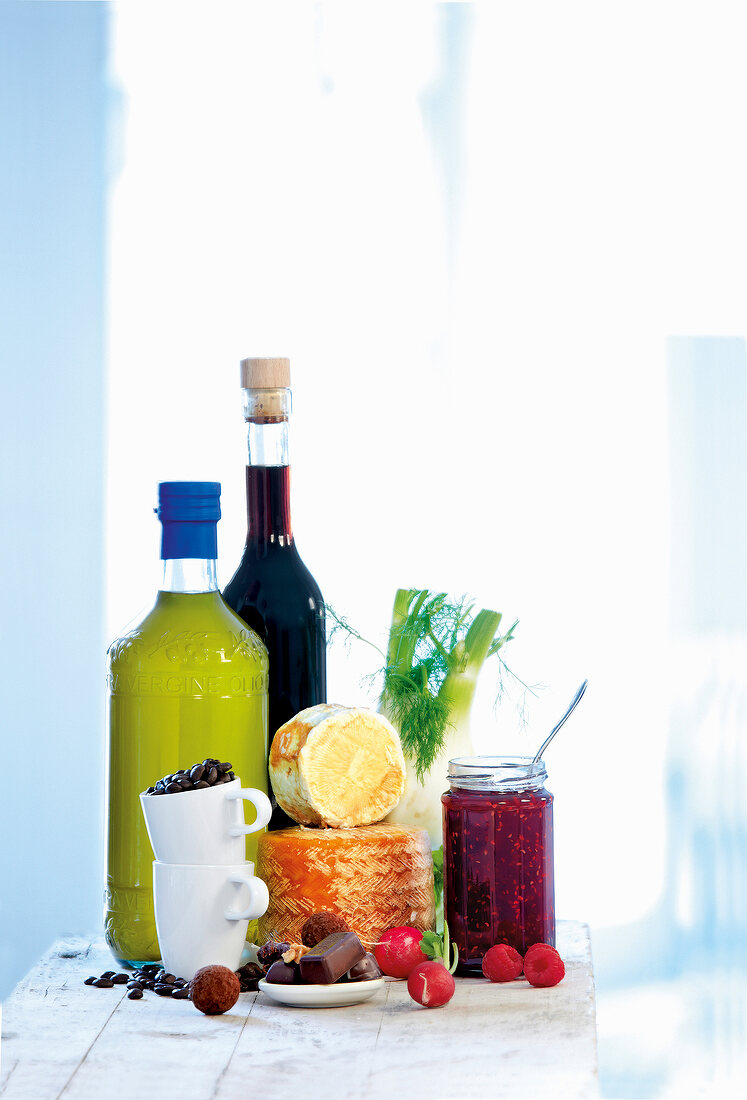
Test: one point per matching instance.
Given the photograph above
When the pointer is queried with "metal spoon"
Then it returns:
(576, 700)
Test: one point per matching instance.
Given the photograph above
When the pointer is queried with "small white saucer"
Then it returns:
(336, 995)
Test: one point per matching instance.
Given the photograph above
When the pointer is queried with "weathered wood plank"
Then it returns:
(63, 1039)
(330, 1050)
(52, 1019)
(496, 1040)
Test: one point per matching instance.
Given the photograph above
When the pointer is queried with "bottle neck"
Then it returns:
(267, 413)
(268, 517)
(189, 575)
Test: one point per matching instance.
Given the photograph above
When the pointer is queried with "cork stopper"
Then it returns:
(265, 374)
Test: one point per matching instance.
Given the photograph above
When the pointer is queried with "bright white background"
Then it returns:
(473, 229)
(479, 381)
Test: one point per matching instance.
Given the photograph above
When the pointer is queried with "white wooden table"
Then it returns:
(64, 1039)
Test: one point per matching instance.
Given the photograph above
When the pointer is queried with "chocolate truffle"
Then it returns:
(215, 989)
(320, 925)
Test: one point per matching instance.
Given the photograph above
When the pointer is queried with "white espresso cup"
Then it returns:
(202, 913)
(205, 826)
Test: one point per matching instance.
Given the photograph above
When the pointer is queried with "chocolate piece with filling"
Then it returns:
(331, 958)
(365, 970)
(281, 973)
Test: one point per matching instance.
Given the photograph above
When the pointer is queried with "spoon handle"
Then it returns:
(576, 700)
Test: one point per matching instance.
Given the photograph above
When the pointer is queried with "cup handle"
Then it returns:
(261, 804)
(259, 898)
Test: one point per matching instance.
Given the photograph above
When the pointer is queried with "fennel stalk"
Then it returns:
(435, 653)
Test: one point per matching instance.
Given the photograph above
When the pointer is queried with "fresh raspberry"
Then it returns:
(502, 963)
(544, 946)
(543, 965)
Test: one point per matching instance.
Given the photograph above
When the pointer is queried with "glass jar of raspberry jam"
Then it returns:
(499, 884)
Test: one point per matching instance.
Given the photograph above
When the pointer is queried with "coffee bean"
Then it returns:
(164, 990)
(196, 778)
(159, 974)
(150, 968)
(120, 979)
(90, 981)
(181, 994)
(103, 983)
(168, 979)
(135, 994)
(107, 974)
(135, 985)
(150, 985)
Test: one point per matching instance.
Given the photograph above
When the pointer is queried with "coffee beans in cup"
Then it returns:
(208, 773)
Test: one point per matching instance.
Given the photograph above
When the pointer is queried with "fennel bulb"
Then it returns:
(435, 654)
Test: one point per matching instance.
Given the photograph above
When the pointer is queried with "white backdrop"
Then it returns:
(495, 426)
(472, 229)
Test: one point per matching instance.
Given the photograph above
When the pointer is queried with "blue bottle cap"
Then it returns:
(189, 512)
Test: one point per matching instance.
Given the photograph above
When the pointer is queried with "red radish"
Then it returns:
(399, 951)
(431, 984)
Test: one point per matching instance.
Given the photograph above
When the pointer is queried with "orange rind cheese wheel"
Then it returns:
(375, 877)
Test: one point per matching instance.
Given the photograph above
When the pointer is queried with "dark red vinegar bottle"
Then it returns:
(272, 590)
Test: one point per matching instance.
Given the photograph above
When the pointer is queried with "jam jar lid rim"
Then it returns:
(483, 768)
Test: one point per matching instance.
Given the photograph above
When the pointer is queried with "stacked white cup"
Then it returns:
(204, 889)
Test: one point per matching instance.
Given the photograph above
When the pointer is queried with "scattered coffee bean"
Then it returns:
(107, 974)
(103, 983)
(90, 981)
(135, 994)
(168, 979)
(181, 993)
(120, 979)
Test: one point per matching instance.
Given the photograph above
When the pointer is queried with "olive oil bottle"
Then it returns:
(190, 681)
